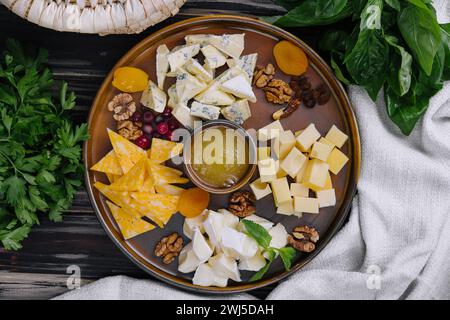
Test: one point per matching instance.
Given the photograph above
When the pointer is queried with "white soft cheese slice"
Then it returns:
(213, 225)
(153, 97)
(205, 276)
(239, 87)
(237, 244)
(179, 57)
(254, 263)
(279, 236)
(229, 219)
(200, 246)
(188, 260)
(190, 224)
(225, 267)
(266, 224)
(162, 65)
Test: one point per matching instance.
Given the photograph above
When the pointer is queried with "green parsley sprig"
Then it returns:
(40, 151)
(263, 238)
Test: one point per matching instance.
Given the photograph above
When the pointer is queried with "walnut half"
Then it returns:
(304, 238)
(123, 106)
(168, 248)
(242, 204)
(129, 130)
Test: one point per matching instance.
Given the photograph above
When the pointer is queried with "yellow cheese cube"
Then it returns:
(260, 189)
(320, 151)
(336, 136)
(299, 176)
(336, 160)
(293, 162)
(326, 198)
(307, 137)
(286, 208)
(306, 205)
(284, 144)
(270, 131)
(299, 190)
(325, 141)
(268, 169)
(316, 173)
(328, 184)
(263, 153)
(281, 173)
(281, 192)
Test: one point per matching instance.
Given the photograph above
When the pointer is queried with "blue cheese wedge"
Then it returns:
(183, 114)
(238, 112)
(230, 44)
(213, 57)
(239, 87)
(204, 111)
(188, 86)
(201, 39)
(173, 97)
(153, 97)
(196, 69)
(248, 64)
(179, 57)
(162, 64)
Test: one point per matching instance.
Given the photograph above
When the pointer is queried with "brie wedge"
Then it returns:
(200, 246)
(225, 267)
(188, 260)
(205, 276)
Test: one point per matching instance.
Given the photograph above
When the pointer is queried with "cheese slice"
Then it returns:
(204, 111)
(239, 87)
(248, 64)
(133, 180)
(121, 198)
(166, 175)
(127, 153)
(213, 57)
(112, 177)
(195, 68)
(215, 97)
(183, 114)
(108, 164)
(173, 96)
(188, 86)
(153, 97)
(169, 189)
(163, 150)
(230, 44)
(178, 58)
(162, 204)
(129, 225)
(162, 65)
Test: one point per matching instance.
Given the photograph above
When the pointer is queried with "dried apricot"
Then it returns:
(291, 59)
(192, 202)
(130, 79)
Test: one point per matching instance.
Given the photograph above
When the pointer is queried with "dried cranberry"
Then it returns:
(307, 95)
(142, 142)
(148, 117)
(147, 128)
(323, 98)
(162, 128)
(136, 117)
(168, 135)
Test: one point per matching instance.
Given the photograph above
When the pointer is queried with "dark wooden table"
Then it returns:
(39, 270)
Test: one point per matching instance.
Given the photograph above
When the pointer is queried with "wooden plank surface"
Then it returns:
(39, 270)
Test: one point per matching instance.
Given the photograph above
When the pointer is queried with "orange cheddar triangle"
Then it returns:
(112, 177)
(127, 153)
(108, 164)
(163, 150)
(169, 189)
(165, 175)
(133, 180)
(121, 198)
(129, 225)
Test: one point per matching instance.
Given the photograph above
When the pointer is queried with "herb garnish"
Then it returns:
(263, 238)
(40, 150)
(390, 44)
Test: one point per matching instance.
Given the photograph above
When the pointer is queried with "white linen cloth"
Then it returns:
(396, 244)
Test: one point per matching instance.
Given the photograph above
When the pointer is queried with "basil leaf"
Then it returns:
(257, 232)
(306, 15)
(337, 70)
(402, 69)
(394, 4)
(367, 62)
(421, 31)
(334, 40)
(445, 28)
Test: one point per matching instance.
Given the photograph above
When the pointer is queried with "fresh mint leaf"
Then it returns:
(257, 232)
(260, 273)
(287, 255)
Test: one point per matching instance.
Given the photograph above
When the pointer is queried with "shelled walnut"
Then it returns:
(263, 74)
(129, 130)
(168, 248)
(285, 112)
(123, 106)
(303, 238)
(242, 204)
(276, 90)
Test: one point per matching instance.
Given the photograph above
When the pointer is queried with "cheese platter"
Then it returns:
(250, 213)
